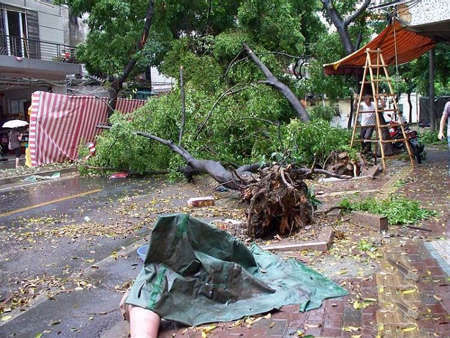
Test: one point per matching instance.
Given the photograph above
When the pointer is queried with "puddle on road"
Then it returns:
(68, 193)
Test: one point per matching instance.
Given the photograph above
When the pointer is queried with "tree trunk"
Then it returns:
(117, 82)
(113, 93)
(410, 106)
(352, 109)
(271, 80)
(342, 24)
(183, 107)
(148, 77)
(431, 89)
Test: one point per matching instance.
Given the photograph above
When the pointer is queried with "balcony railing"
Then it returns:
(36, 49)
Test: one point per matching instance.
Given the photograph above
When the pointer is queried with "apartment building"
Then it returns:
(35, 52)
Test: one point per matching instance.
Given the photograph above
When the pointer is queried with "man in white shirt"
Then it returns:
(368, 121)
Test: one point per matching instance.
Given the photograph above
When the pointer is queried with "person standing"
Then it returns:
(368, 121)
(445, 118)
(14, 143)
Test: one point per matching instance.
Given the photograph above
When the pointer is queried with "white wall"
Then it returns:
(160, 82)
(426, 11)
(403, 103)
(344, 109)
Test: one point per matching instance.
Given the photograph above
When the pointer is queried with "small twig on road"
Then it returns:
(103, 312)
(325, 212)
(6, 300)
(418, 228)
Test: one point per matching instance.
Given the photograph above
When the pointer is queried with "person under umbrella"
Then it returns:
(14, 143)
(15, 137)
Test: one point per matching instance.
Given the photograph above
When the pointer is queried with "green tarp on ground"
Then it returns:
(195, 274)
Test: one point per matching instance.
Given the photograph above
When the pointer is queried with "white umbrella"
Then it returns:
(15, 124)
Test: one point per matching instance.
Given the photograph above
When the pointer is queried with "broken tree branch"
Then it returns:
(325, 212)
(271, 80)
(283, 177)
(213, 168)
(309, 172)
(231, 64)
(250, 167)
(351, 18)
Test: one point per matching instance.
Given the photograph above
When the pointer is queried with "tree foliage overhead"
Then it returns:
(231, 115)
(352, 26)
(115, 25)
(114, 28)
(414, 76)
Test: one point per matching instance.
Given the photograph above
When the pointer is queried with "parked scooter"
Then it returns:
(417, 148)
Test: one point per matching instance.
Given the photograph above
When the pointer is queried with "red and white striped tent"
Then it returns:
(59, 122)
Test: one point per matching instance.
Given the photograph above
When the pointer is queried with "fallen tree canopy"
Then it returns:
(228, 137)
(278, 198)
(236, 179)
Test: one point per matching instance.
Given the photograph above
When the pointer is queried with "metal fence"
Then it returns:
(36, 49)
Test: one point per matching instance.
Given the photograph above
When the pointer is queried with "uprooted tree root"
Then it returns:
(278, 202)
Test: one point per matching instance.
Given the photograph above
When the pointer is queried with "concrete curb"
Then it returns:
(20, 178)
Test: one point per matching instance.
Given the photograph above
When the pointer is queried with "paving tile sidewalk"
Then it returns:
(339, 318)
(403, 307)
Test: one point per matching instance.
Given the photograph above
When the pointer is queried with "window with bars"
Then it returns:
(19, 32)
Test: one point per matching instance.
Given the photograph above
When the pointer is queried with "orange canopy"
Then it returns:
(394, 39)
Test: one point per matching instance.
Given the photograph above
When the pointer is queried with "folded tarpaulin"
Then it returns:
(195, 274)
(397, 44)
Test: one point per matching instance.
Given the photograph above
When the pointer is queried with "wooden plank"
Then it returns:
(322, 244)
(350, 192)
(374, 93)
(355, 119)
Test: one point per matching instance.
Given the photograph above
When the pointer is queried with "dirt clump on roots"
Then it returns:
(278, 202)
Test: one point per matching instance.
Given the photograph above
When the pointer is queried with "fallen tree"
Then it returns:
(277, 196)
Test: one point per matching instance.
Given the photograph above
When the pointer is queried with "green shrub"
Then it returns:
(397, 209)
(121, 149)
(315, 140)
(430, 137)
(322, 112)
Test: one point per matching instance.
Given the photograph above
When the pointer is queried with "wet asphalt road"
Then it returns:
(65, 196)
(51, 234)
(73, 243)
